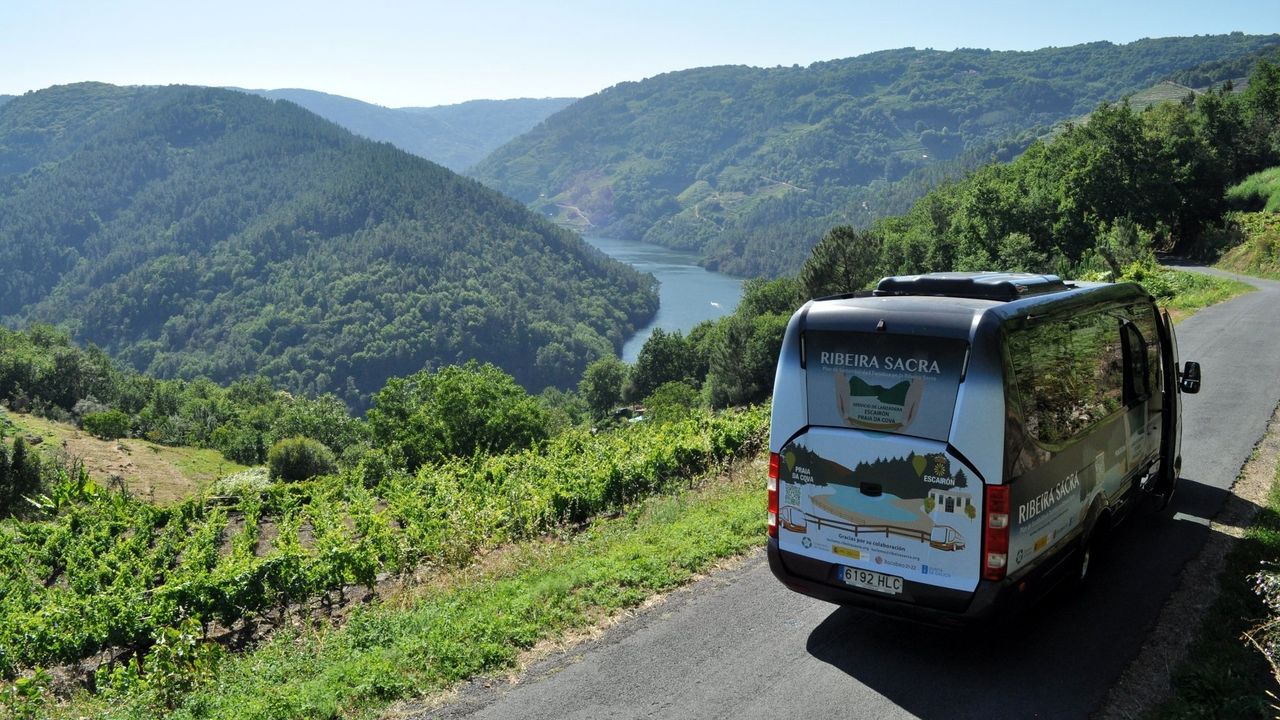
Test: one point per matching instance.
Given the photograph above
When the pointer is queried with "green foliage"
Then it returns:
(751, 166)
(744, 358)
(671, 401)
(299, 458)
(202, 232)
(108, 425)
(666, 357)
(1255, 244)
(27, 697)
(742, 349)
(1224, 70)
(21, 477)
(601, 386)
(480, 623)
(1258, 192)
(179, 660)
(107, 570)
(844, 261)
(460, 410)
(780, 296)
(1224, 675)
(565, 409)
(42, 368)
(1100, 196)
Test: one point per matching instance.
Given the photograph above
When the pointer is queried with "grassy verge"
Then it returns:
(1182, 293)
(476, 622)
(1224, 676)
(1259, 191)
(1259, 253)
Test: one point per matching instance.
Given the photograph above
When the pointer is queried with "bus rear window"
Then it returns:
(902, 384)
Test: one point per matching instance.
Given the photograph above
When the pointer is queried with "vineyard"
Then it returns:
(101, 571)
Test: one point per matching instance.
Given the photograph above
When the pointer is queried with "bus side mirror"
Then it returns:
(1191, 378)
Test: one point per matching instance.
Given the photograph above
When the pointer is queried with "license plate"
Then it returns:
(870, 580)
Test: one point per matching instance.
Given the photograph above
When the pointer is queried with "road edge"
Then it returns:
(1146, 682)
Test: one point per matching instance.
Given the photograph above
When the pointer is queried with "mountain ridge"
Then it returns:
(751, 165)
(456, 136)
(198, 231)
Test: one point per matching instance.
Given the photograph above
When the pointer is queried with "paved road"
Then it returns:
(738, 645)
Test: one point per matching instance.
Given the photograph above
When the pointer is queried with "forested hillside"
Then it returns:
(1219, 71)
(751, 166)
(456, 136)
(196, 231)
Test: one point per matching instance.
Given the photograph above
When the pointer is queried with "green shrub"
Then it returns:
(20, 476)
(457, 411)
(108, 425)
(239, 443)
(672, 401)
(27, 697)
(299, 458)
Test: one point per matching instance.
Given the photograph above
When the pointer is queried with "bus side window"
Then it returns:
(1069, 375)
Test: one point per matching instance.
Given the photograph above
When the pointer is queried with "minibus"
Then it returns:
(950, 445)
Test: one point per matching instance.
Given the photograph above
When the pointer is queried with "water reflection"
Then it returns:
(688, 294)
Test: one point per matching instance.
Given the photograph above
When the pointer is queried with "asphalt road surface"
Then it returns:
(739, 645)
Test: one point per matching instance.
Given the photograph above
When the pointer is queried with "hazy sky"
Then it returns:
(399, 53)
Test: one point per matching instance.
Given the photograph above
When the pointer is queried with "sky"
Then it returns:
(399, 53)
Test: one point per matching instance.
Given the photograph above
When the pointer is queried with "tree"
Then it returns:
(744, 359)
(19, 477)
(601, 385)
(671, 401)
(844, 260)
(460, 410)
(665, 357)
(324, 418)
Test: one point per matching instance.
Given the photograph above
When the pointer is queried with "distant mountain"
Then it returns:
(456, 136)
(197, 231)
(5, 98)
(483, 126)
(751, 166)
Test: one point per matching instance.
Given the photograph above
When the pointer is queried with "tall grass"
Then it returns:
(1259, 191)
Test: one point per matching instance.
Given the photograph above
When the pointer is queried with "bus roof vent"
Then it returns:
(980, 285)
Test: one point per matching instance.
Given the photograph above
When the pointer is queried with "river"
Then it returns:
(687, 294)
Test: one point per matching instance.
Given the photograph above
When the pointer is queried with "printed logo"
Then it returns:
(806, 542)
(879, 560)
(847, 552)
(924, 569)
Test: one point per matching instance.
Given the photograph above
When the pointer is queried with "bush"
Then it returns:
(239, 443)
(20, 476)
(458, 411)
(107, 425)
(672, 401)
(299, 458)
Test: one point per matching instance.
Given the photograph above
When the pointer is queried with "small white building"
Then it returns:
(950, 501)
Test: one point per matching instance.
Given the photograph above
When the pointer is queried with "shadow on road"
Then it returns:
(1055, 661)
